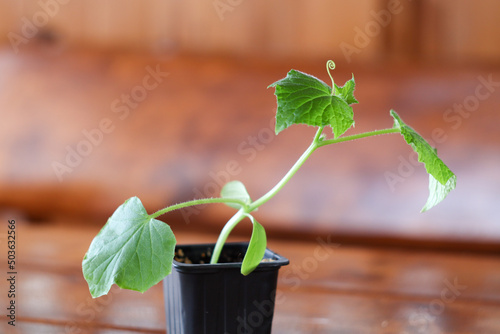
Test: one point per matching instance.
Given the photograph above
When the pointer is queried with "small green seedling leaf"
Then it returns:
(235, 190)
(304, 99)
(441, 178)
(256, 248)
(132, 250)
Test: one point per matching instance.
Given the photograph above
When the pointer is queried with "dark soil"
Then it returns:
(227, 256)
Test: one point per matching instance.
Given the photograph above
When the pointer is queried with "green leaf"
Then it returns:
(256, 248)
(132, 250)
(441, 178)
(438, 191)
(304, 99)
(235, 190)
(347, 91)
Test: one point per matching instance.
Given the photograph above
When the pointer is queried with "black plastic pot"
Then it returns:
(217, 298)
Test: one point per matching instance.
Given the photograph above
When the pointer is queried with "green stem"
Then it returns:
(245, 210)
(270, 194)
(358, 136)
(224, 234)
(194, 203)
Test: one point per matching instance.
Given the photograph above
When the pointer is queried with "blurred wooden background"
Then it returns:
(63, 63)
(456, 31)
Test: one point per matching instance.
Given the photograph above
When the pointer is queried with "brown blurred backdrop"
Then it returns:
(457, 31)
(67, 67)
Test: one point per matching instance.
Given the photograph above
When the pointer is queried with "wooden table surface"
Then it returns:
(327, 288)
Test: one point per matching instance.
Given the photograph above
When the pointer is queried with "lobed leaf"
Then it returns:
(132, 250)
(304, 99)
(441, 178)
(347, 91)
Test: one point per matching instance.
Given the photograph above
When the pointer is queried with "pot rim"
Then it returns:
(275, 262)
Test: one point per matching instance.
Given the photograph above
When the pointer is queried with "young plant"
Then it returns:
(135, 250)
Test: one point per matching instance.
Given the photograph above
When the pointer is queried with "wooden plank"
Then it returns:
(455, 30)
(304, 310)
(322, 264)
(10, 14)
(460, 31)
(63, 297)
(309, 312)
(240, 28)
(327, 288)
(27, 326)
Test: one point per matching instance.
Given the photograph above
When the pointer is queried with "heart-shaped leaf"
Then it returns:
(132, 250)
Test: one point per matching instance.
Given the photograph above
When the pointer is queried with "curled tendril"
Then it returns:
(330, 65)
